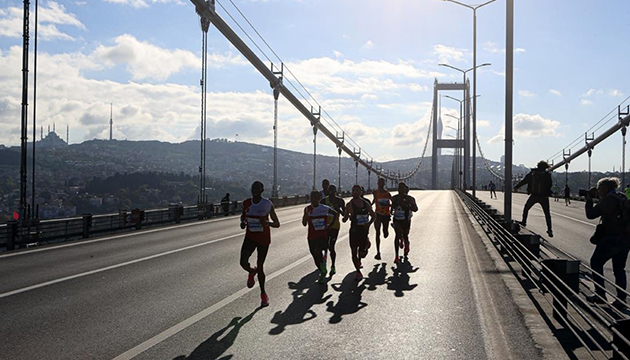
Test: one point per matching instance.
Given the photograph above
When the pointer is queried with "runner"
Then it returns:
(325, 185)
(403, 206)
(255, 217)
(337, 204)
(361, 217)
(382, 200)
(316, 216)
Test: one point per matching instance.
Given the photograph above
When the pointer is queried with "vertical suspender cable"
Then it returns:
(623, 156)
(33, 214)
(24, 114)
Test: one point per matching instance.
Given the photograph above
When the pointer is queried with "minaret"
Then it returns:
(41, 136)
(48, 130)
(111, 120)
(54, 128)
(67, 134)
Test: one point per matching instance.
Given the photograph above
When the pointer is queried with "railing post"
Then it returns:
(569, 273)
(87, 225)
(122, 219)
(623, 327)
(12, 230)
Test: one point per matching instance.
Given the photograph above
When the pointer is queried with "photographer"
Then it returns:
(609, 237)
(538, 183)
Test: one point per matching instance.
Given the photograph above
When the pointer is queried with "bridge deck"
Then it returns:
(180, 293)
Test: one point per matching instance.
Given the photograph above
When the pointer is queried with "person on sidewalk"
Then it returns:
(611, 239)
(539, 184)
(255, 217)
(493, 189)
(567, 195)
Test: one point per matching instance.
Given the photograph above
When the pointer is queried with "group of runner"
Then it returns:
(323, 217)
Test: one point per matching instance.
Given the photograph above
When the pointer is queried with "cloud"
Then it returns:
(615, 93)
(529, 126)
(493, 48)
(146, 61)
(50, 17)
(586, 102)
(448, 54)
(142, 3)
(526, 93)
(338, 54)
(483, 123)
(591, 92)
(368, 45)
(555, 92)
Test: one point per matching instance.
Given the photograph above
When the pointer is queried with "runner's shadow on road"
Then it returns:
(306, 293)
(217, 344)
(349, 300)
(377, 276)
(399, 281)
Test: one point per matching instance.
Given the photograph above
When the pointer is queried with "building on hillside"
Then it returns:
(51, 141)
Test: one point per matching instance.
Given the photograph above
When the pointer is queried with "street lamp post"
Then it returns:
(474, 125)
(474, 119)
(456, 152)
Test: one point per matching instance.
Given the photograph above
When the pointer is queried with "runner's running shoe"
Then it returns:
(333, 271)
(358, 276)
(250, 278)
(406, 249)
(396, 260)
(264, 300)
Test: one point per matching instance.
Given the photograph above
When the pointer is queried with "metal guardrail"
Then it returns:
(15, 235)
(603, 330)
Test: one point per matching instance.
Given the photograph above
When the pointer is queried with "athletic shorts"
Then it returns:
(358, 238)
(317, 244)
(403, 224)
(382, 218)
(250, 245)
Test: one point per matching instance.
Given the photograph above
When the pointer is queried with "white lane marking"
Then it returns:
(79, 242)
(574, 219)
(91, 272)
(139, 349)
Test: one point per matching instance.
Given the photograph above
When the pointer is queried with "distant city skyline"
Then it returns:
(370, 65)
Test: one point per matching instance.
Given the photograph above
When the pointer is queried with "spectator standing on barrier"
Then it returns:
(567, 195)
(255, 217)
(611, 239)
(225, 204)
(539, 189)
(493, 189)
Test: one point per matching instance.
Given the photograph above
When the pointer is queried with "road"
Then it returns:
(179, 293)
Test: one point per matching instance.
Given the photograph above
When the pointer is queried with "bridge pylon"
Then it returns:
(464, 140)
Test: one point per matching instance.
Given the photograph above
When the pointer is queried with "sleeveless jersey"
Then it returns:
(326, 201)
(382, 200)
(317, 221)
(360, 216)
(256, 216)
(400, 214)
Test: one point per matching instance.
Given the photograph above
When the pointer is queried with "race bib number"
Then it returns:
(362, 219)
(254, 225)
(319, 224)
(383, 202)
(399, 215)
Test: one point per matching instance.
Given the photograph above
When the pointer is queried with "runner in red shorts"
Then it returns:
(318, 218)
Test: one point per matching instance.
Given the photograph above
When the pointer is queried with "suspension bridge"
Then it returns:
(474, 285)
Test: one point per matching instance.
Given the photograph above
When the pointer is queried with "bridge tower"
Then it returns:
(462, 142)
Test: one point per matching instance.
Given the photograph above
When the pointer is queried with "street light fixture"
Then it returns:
(474, 9)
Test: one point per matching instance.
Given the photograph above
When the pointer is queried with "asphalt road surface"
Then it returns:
(179, 293)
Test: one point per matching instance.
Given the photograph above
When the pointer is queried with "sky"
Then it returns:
(371, 65)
